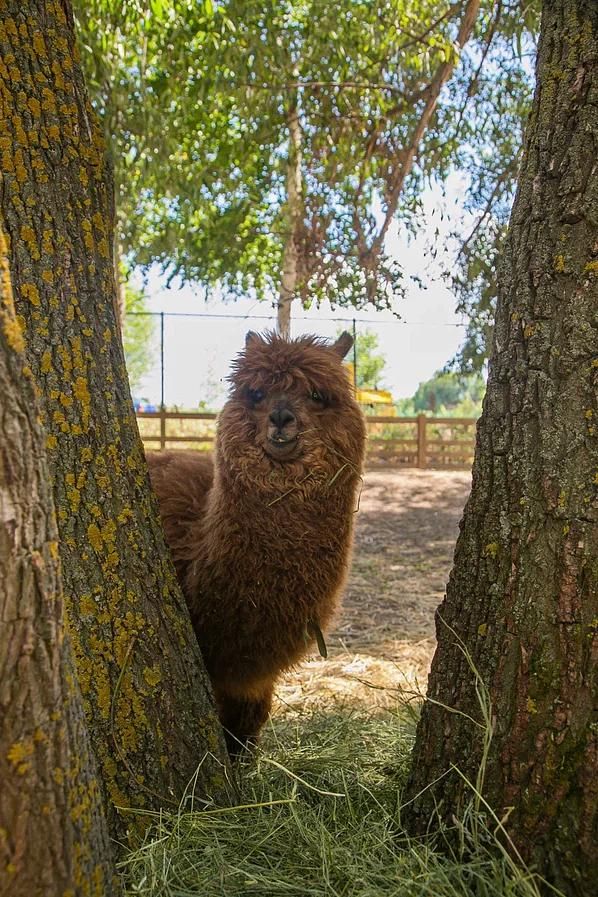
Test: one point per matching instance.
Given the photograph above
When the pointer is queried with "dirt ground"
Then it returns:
(406, 529)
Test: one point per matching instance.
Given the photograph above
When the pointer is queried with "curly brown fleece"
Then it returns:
(262, 537)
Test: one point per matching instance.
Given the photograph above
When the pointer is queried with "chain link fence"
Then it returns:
(186, 385)
(190, 354)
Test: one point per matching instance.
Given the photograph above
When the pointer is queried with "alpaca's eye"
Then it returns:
(255, 396)
(316, 396)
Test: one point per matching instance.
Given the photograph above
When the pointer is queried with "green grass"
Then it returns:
(320, 817)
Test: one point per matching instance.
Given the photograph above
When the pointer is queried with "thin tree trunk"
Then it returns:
(522, 601)
(53, 832)
(294, 222)
(147, 698)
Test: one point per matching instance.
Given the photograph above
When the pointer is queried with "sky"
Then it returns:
(197, 352)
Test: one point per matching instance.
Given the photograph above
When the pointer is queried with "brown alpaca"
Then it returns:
(261, 537)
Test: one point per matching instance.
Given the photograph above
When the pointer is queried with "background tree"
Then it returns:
(268, 146)
(145, 692)
(513, 690)
(370, 361)
(53, 832)
(138, 330)
(446, 393)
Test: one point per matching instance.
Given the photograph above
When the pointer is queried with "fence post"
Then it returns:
(422, 453)
(162, 428)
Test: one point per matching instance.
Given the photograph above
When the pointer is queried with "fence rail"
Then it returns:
(426, 442)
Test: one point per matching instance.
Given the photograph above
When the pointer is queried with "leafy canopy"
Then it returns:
(195, 98)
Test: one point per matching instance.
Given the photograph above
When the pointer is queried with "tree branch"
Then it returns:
(487, 209)
(339, 85)
(406, 156)
(472, 84)
(420, 38)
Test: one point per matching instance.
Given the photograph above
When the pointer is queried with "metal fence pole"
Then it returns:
(162, 404)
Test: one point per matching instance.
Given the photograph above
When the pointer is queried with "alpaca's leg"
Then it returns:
(242, 719)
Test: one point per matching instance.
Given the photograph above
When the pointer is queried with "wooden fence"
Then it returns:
(435, 442)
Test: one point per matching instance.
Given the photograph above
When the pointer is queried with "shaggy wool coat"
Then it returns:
(261, 536)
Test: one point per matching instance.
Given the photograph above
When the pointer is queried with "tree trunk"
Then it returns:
(522, 601)
(148, 701)
(53, 832)
(294, 222)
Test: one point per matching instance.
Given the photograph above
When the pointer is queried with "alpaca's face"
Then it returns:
(291, 406)
(282, 416)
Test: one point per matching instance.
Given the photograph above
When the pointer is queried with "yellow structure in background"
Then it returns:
(377, 402)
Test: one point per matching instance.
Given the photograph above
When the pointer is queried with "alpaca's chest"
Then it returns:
(279, 578)
(290, 556)
(258, 590)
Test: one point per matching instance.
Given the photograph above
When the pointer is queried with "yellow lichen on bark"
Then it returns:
(55, 839)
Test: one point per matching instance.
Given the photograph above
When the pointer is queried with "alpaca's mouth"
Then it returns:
(281, 446)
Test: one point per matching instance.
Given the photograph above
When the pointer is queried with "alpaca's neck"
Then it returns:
(304, 518)
(306, 494)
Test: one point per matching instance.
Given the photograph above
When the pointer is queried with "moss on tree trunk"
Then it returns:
(146, 695)
(53, 832)
(523, 594)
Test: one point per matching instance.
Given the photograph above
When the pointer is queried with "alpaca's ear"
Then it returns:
(343, 344)
(252, 338)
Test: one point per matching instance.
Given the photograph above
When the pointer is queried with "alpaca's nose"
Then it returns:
(281, 417)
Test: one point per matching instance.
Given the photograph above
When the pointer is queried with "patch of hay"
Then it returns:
(319, 816)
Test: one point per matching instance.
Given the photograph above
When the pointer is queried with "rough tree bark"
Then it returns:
(145, 692)
(523, 594)
(294, 222)
(53, 832)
